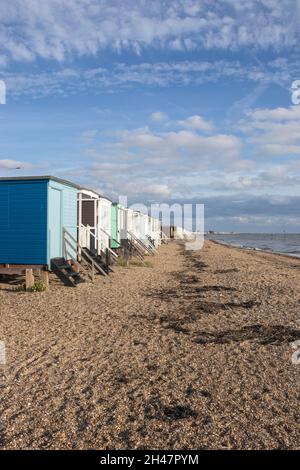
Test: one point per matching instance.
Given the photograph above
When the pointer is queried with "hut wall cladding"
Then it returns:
(23, 222)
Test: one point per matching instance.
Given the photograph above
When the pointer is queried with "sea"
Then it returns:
(285, 243)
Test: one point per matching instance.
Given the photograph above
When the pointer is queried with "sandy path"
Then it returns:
(192, 353)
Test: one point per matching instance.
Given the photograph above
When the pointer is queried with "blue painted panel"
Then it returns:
(23, 222)
(4, 205)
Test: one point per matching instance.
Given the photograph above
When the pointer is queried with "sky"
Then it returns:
(162, 101)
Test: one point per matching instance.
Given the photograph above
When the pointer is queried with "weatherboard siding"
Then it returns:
(23, 222)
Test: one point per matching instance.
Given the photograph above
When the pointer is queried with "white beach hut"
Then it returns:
(88, 219)
(104, 224)
(129, 222)
(94, 221)
(155, 231)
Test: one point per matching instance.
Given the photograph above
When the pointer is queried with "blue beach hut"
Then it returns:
(34, 211)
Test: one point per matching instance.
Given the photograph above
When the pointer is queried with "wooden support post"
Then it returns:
(107, 258)
(79, 227)
(76, 267)
(45, 278)
(126, 257)
(29, 278)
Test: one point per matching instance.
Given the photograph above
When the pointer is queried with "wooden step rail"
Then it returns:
(138, 252)
(89, 272)
(142, 244)
(111, 239)
(138, 245)
(69, 255)
(98, 240)
(151, 245)
(79, 250)
(134, 242)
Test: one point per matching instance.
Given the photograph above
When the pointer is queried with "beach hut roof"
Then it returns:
(89, 192)
(105, 197)
(94, 194)
(39, 178)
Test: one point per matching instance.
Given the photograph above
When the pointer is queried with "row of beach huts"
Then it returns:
(50, 224)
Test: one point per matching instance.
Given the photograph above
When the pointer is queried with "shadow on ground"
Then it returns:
(191, 305)
(154, 409)
(275, 334)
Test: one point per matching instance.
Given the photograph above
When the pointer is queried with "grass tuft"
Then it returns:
(134, 263)
(122, 262)
(142, 264)
(37, 287)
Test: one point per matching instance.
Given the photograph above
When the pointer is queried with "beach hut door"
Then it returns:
(85, 236)
(55, 224)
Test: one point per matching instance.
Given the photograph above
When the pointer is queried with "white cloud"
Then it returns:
(89, 135)
(145, 187)
(12, 164)
(158, 116)
(275, 132)
(120, 76)
(160, 164)
(139, 138)
(60, 29)
(278, 114)
(182, 162)
(3, 61)
(192, 148)
(196, 122)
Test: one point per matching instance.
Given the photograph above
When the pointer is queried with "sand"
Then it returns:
(192, 353)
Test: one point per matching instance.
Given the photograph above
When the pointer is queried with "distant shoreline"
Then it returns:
(256, 250)
(251, 233)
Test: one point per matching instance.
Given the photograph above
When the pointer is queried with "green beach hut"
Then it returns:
(117, 224)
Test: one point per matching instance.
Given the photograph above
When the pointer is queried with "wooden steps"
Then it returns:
(65, 272)
(88, 255)
(139, 245)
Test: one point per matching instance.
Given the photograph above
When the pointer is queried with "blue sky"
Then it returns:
(158, 100)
